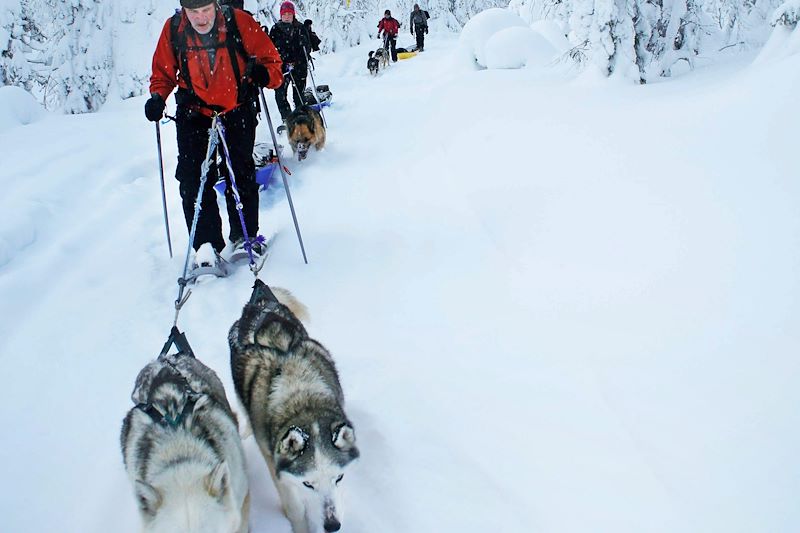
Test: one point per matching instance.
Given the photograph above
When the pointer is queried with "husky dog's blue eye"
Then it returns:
(308, 485)
(338, 479)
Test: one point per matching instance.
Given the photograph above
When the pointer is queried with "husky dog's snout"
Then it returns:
(331, 520)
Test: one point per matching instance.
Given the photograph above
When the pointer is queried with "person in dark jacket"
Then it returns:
(312, 37)
(291, 39)
(202, 32)
(419, 26)
(390, 26)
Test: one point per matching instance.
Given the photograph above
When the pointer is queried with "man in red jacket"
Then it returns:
(243, 57)
(390, 27)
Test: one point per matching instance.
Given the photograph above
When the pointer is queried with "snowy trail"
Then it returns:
(538, 328)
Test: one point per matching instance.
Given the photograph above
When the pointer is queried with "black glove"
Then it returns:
(154, 108)
(260, 75)
(426, 30)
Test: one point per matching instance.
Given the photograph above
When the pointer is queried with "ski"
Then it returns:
(199, 273)
(240, 256)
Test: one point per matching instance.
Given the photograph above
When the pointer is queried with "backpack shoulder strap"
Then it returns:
(233, 41)
(178, 39)
(233, 30)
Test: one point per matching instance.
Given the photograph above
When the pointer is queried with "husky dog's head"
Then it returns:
(189, 498)
(312, 459)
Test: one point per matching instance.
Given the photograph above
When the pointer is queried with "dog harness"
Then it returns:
(164, 419)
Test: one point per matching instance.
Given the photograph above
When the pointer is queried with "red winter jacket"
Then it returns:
(216, 88)
(389, 26)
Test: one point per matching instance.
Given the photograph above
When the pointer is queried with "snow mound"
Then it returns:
(554, 33)
(784, 40)
(518, 47)
(480, 28)
(17, 107)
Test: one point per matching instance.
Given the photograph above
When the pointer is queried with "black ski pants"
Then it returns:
(240, 134)
(419, 32)
(299, 76)
(390, 43)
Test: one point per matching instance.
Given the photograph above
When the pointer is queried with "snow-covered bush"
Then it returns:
(785, 38)
(787, 14)
(518, 47)
(483, 26)
(18, 107)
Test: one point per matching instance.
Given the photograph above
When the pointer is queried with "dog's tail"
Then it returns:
(371, 53)
(288, 299)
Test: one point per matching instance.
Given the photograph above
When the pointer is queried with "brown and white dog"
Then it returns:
(305, 128)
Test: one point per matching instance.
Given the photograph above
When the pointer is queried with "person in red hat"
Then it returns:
(291, 39)
(390, 27)
(200, 35)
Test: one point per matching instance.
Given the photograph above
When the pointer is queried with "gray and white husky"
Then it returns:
(289, 386)
(182, 450)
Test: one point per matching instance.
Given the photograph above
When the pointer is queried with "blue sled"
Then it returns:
(317, 107)
(264, 175)
(263, 178)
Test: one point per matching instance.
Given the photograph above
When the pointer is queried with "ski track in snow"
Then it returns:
(554, 306)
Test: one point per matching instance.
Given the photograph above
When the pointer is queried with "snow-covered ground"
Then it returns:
(555, 306)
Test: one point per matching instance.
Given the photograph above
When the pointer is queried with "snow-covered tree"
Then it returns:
(73, 55)
(653, 35)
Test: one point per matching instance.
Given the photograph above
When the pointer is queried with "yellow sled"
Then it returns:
(405, 55)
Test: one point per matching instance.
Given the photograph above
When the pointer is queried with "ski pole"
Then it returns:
(296, 89)
(163, 192)
(283, 173)
(213, 141)
(314, 87)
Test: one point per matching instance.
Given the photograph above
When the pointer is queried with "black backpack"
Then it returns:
(238, 4)
(233, 43)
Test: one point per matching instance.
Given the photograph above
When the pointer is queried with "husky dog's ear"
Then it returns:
(216, 482)
(293, 443)
(344, 437)
(148, 498)
(201, 402)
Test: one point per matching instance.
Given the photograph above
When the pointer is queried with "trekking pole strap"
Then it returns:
(248, 246)
(283, 174)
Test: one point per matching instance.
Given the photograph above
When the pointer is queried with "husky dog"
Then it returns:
(182, 450)
(382, 55)
(372, 64)
(305, 128)
(290, 388)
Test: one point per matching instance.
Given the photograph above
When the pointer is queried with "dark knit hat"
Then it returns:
(387, 12)
(287, 7)
(307, 22)
(194, 4)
